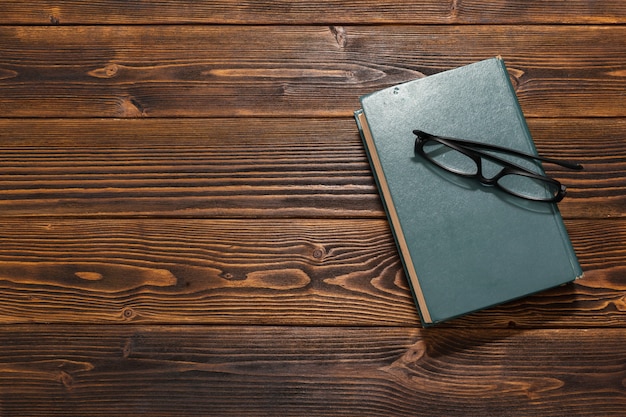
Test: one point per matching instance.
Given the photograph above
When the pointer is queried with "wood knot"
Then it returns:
(339, 32)
(127, 348)
(232, 277)
(109, 71)
(128, 313)
(54, 15)
(130, 107)
(66, 379)
(319, 253)
(515, 75)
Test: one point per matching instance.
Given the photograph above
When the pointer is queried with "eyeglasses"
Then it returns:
(465, 158)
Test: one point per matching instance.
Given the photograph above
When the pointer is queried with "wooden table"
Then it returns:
(189, 225)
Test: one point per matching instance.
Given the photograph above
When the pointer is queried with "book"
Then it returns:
(464, 246)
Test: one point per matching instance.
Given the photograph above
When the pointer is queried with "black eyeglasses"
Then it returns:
(464, 158)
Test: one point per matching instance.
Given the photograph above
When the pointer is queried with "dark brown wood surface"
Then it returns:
(189, 225)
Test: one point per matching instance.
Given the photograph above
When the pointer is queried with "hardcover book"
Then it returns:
(464, 246)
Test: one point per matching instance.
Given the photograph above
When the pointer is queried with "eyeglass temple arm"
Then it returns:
(463, 142)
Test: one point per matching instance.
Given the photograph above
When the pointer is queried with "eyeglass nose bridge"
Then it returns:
(487, 181)
(493, 181)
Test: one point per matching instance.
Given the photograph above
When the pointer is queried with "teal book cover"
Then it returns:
(464, 246)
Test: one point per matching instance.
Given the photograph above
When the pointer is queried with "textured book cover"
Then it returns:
(464, 246)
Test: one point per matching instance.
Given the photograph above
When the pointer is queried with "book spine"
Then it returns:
(396, 229)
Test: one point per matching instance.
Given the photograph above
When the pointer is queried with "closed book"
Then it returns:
(464, 246)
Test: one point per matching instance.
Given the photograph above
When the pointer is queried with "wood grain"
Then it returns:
(189, 225)
(293, 71)
(293, 371)
(224, 167)
(46, 12)
(292, 271)
(242, 167)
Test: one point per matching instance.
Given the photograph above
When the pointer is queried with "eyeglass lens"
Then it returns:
(449, 158)
(529, 187)
(515, 183)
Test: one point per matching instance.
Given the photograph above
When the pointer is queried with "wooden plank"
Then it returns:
(313, 371)
(291, 271)
(44, 12)
(214, 167)
(599, 145)
(251, 167)
(294, 71)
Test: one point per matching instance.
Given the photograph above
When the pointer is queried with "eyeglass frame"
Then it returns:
(509, 168)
